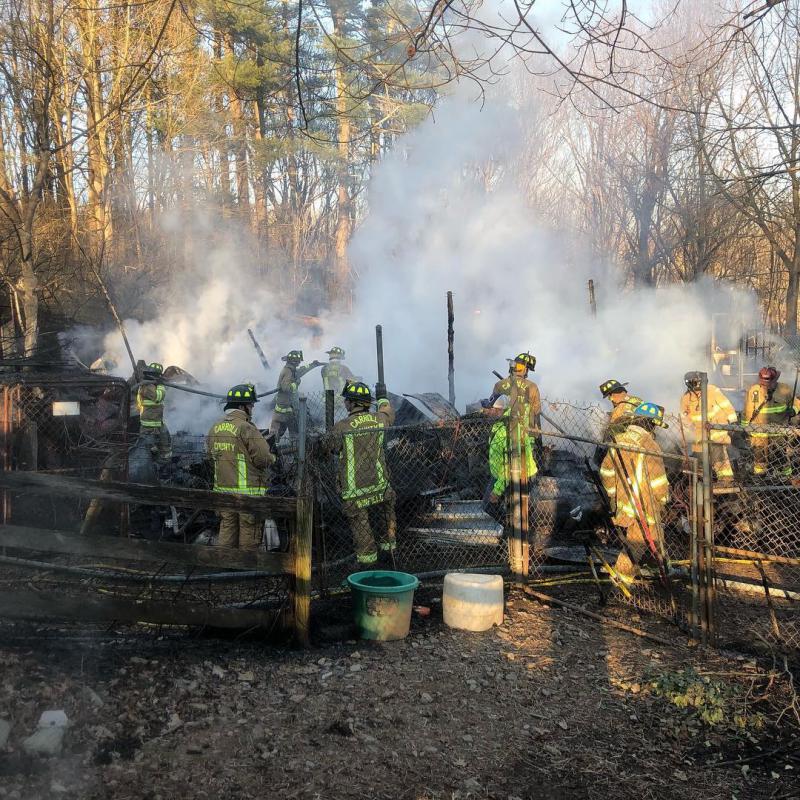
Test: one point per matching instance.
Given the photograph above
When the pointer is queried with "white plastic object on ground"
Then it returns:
(472, 602)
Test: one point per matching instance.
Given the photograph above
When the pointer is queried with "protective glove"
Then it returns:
(316, 363)
(486, 403)
(380, 391)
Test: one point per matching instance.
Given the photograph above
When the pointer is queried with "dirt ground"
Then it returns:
(550, 705)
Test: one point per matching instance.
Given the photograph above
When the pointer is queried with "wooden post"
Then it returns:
(592, 298)
(707, 586)
(518, 500)
(451, 382)
(696, 516)
(303, 533)
(379, 350)
(329, 407)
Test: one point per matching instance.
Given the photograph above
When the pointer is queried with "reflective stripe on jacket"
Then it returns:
(500, 457)
(359, 440)
(720, 412)
(240, 454)
(761, 409)
(150, 402)
(645, 473)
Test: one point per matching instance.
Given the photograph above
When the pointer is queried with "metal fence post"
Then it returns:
(706, 550)
(304, 525)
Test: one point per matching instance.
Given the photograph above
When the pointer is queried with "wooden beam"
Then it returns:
(44, 606)
(142, 494)
(193, 555)
(302, 568)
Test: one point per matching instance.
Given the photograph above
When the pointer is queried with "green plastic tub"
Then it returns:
(382, 603)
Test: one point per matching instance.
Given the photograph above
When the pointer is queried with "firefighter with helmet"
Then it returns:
(622, 403)
(636, 483)
(336, 374)
(525, 404)
(286, 400)
(720, 412)
(769, 403)
(241, 459)
(358, 440)
(150, 403)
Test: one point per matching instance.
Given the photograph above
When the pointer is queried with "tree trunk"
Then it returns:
(341, 269)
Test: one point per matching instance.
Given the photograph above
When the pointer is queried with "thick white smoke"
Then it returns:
(436, 223)
(434, 226)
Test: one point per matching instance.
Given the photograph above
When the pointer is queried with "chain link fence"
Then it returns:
(440, 513)
(757, 537)
(74, 426)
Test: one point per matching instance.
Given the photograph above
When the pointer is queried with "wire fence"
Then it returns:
(724, 560)
(757, 536)
(449, 507)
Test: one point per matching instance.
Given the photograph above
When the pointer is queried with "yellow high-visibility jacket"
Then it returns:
(720, 412)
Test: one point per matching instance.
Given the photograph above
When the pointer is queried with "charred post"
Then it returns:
(451, 381)
(592, 298)
(329, 417)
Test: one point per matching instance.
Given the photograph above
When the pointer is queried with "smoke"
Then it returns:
(438, 223)
(445, 213)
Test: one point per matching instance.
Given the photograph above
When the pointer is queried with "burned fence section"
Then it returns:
(67, 424)
(442, 477)
(63, 575)
(756, 536)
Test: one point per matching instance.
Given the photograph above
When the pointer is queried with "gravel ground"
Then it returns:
(549, 705)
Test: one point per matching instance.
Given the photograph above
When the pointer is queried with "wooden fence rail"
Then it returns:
(296, 565)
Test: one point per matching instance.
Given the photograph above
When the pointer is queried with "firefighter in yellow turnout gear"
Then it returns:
(363, 476)
(636, 483)
(150, 403)
(241, 458)
(525, 404)
(286, 400)
(336, 374)
(720, 412)
(622, 403)
(769, 402)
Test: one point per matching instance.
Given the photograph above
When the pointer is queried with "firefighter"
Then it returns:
(500, 466)
(241, 458)
(769, 402)
(285, 416)
(150, 402)
(636, 483)
(720, 412)
(525, 404)
(622, 403)
(363, 475)
(335, 374)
